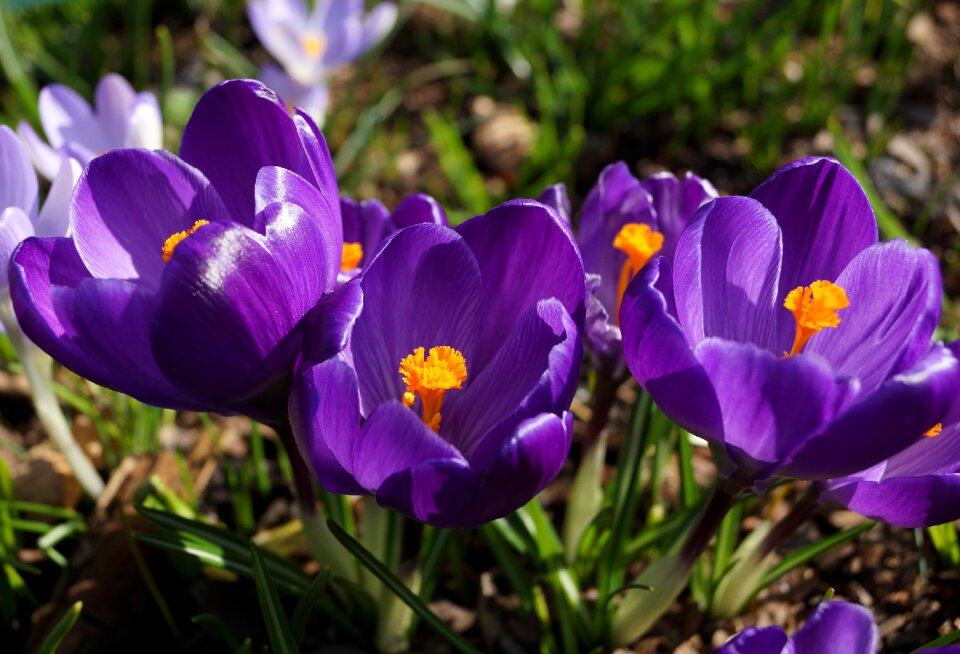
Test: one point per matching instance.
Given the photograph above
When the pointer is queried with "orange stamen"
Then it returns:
(934, 431)
(814, 307)
(313, 45)
(442, 370)
(352, 254)
(174, 239)
(639, 242)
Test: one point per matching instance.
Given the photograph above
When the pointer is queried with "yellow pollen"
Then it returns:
(639, 242)
(814, 307)
(313, 45)
(174, 239)
(352, 254)
(934, 431)
(442, 370)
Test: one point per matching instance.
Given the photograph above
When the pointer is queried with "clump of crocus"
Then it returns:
(450, 403)
(120, 118)
(310, 44)
(20, 218)
(790, 339)
(185, 282)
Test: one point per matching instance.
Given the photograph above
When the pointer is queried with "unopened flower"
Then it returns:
(786, 335)
(450, 403)
(120, 118)
(186, 282)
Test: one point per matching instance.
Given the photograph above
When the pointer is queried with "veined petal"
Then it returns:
(54, 218)
(45, 158)
(525, 253)
(113, 99)
(661, 360)
(422, 289)
(15, 226)
(18, 186)
(67, 118)
(675, 202)
(881, 423)
(364, 222)
(836, 627)
(126, 205)
(894, 292)
(556, 198)
(418, 208)
(914, 501)
(725, 274)
(324, 411)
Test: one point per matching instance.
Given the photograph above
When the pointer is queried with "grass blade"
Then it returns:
(278, 627)
(399, 589)
(300, 614)
(812, 551)
(61, 629)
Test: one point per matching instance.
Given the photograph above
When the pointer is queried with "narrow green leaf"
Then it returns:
(61, 629)
(457, 163)
(812, 551)
(281, 637)
(400, 589)
(946, 543)
(301, 614)
(946, 639)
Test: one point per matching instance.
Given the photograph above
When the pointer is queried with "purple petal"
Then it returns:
(324, 411)
(881, 423)
(18, 186)
(526, 462)
(836, 627)
(328, 325)
(45, 158)
(54, 218)
(421, 290)
(755, 640)
(128, 202)
(226, 313)
(916, 501)
(825, 218)
(433, 491)
(276, 24)
(617, 198)
(526, 253)
(114, 99)
(318, 159)
(535, 371)
(237, 128)
(144, 128)
(67, 118)
(395, 439)
(97, 328)
(725, 273)
(675, 202)
(557, 199)
(769, 405)
(659, 357)
(308, 244)
(602, 337)
(15, 226)
(418, 208)
(364, 222)
(894, 293)
(377, 25)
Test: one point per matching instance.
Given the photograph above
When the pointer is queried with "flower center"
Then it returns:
(934, 431)
(352, 254)
(639, 242)
(313, 45)
(814, 307)
(174, 239)
(442, 370)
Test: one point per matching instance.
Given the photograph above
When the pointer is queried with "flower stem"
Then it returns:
(37, 367)
(604, 395)
(802, 511)
(721, 500)
(324, 548)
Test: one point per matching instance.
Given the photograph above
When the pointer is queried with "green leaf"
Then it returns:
(457, 163)
(812, 551)
(946, 543)
(946, 639)
(281, 636)
(400, 589)
(300, 614)
(218, 626)
(61, 629)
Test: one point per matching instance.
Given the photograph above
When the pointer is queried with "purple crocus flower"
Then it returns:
(787, 336)
(916, 487)
(121, 118)
(450, 403)
(20, 215)
(310, 44)
(186, 282)
(367, 223)
(834, 627)
(623, 224)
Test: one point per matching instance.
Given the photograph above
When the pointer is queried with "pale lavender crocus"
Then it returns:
(119, 118)
(311, 43)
